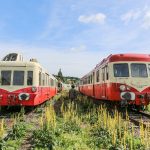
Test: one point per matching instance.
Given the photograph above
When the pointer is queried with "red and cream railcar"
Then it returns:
(122, 77)
(24, 83)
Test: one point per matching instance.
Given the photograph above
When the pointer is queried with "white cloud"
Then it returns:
(73, 62)
(142, 16)
(80, 48)
(130, 16)
(146, 20)
(94, 18)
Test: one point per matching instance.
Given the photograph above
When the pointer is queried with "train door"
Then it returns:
(104, 82)
(93, 84)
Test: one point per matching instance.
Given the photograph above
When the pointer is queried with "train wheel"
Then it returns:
(132, 107)
(140, 107)
(4, 108)
(143, 107)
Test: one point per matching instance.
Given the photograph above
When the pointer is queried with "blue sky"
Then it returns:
(74, 35)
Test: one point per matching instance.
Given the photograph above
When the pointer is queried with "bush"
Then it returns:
(71, 126)
(100, 138)
(18, 130)
(43, 139)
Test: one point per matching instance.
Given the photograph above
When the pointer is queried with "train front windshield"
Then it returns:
(137, 70)
(121, 70)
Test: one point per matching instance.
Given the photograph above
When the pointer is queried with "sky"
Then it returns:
(73, 35)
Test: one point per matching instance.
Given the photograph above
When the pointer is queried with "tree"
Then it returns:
(60, 76)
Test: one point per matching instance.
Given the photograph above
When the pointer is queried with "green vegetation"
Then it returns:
(67, 79)
(148, 108)
(82, 125)
(16, 134)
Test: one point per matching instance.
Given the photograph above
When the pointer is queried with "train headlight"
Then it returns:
(122, 88)
(24, 96)
(34, 89)
(127, 96)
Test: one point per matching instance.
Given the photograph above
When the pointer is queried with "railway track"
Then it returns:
(8, 116)
(139, 118)
(27, 114)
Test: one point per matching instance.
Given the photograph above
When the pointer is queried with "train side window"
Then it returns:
(18, 78)
(107, 73)
(43, 79)
(97, 76)
(85, 80)
(103, 74)
(149, 69)
(91, 79)
(29, 77)
(48, 81)
(52, 82)
(40, 78)
(5, 77)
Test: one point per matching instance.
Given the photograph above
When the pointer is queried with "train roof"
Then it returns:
(121, 57)
(24, 64)
(125, 57)
(18, 63)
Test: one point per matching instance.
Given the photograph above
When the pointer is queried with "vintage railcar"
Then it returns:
(123, 78)
(24, 83)
(63, 86)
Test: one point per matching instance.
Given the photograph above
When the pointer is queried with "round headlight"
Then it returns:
(24, 96)
(127, 96)
(122, 87)
(34, 89)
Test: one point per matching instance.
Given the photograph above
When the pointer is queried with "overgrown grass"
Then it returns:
(16, 133)
(82, 125)
(148, 108)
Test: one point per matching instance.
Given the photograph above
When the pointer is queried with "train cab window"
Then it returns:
(10, 57)
(18, 78)
(29, 77)
(139, 70)
(5, 77)
(121, 70)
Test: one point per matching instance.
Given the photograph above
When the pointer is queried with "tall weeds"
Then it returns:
(93, 126)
